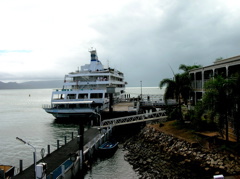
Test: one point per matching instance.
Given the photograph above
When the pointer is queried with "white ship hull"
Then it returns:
(85, 92)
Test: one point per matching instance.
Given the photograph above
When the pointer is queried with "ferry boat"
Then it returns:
(85, 91)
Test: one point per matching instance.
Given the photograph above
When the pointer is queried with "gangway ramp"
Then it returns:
(159, 115)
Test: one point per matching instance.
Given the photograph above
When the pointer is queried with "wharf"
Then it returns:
(119, 110)
(122, 107)
(57, 157)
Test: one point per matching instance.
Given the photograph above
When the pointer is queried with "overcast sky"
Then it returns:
(46, 39)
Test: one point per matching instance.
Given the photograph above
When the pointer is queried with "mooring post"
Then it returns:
(65, 139)
(48, 149)
(57, 144)
(20, 166)
(72, 135)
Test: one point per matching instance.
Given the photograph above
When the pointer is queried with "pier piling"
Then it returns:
(58, 144)
(48, 147)
(20, 166)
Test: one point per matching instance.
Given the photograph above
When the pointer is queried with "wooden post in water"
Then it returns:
(20, 166)
(48, 149)
(57, 144)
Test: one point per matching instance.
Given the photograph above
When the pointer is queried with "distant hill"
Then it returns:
(32, 84)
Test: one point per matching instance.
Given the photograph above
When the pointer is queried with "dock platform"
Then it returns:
(122, 107)
(57, 157)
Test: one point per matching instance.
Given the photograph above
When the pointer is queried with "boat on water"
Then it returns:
(6, 171)
(84, 91)
(108, 148)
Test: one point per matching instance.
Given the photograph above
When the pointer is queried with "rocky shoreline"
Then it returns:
(154, 154)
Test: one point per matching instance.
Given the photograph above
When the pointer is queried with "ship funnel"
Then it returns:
(94, 56)
(95, 64)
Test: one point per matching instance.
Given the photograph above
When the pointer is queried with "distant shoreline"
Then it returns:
(44, 84)
(31, 84)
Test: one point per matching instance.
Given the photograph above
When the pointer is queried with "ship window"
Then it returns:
(58, 106)
(58, 96)
(71, 96)
(83, 96)
(96, 95)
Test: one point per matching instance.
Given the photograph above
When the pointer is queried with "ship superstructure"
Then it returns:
(84, 91)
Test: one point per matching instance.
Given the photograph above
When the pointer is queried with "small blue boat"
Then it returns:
(108, 148)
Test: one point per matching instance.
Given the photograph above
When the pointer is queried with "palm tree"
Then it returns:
(177, 88)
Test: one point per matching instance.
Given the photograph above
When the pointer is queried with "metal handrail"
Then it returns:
(135, 118)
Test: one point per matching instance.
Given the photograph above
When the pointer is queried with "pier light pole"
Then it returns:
(34, 154)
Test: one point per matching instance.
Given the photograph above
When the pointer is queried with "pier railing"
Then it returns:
(69, 169)
(159, 115)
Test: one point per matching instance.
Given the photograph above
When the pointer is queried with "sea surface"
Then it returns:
(21, 115)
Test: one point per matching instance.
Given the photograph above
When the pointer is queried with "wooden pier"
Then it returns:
(59, 156)
(123, 106)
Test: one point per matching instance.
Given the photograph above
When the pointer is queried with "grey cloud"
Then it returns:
(145, 39)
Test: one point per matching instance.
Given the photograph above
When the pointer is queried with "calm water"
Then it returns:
(21, 115)
(114, 167)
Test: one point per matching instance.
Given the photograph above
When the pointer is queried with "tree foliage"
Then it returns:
(179, 87)
(186, 68)
(219, 98)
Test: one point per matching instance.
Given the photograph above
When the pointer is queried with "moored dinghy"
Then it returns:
(108, 148)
